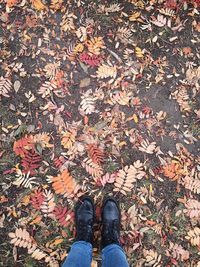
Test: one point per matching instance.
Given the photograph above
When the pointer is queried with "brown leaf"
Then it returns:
(84, 82)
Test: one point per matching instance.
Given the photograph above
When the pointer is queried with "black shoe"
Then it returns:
(84, 219)
(111, 223)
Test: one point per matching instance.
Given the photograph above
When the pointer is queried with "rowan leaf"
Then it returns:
(95, 153)
(127, 176)
(94, 169)
(95, 45)
(178, 252)
(105, 71)
(194, 236)
(91, 60)
(23, 145)
(65, 184)
(37, 4)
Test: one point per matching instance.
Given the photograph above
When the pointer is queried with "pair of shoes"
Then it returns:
(85, 217)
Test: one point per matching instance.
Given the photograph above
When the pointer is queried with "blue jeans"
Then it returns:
(80, 255)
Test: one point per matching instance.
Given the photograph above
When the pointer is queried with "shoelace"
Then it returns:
(111, 232)
(84, 230)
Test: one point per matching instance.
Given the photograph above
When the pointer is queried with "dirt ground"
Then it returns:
(100, 98)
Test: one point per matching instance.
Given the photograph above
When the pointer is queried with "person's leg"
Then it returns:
(112, 253)
(114, 256)
(80, 255)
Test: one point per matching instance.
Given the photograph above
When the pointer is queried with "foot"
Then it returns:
(111, 223)
(84, 219)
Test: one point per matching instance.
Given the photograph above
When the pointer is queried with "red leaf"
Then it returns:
(31, 161)
(60, 213)
(91, 60)
(22, 146)
(37, 198)
(63, 215)
(95, 153)
(10, 171)
(58, 162)
(172, 4)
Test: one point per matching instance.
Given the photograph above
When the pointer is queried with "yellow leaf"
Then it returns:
(37, 220)
(134, 16)
(123, 143)
(150, 188)
(58, 241)
(135, 118)
(14, 213)
(78, 48)
(26, 200)
(138, 52)
(38, 4)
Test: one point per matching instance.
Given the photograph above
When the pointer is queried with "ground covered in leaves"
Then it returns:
(100, 98)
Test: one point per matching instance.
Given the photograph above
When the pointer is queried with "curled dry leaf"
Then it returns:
(133, 215)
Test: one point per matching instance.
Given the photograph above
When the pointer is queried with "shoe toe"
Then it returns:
(85, 211)
(111, 211)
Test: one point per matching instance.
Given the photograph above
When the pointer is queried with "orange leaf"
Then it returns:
(37, 220)
(150, 222)
(187, 50)
(11, 3)
(38, 4)
(172, 171)
(64, 184)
